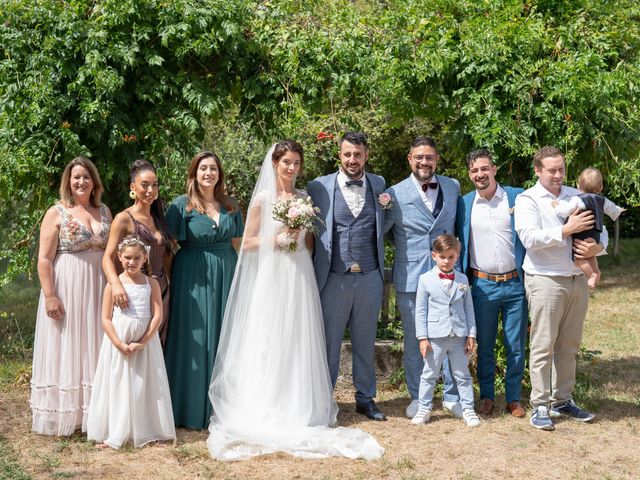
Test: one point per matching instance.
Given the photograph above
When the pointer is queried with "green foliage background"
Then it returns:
(161, 79)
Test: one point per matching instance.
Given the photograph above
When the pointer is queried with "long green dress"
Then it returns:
(200, 282)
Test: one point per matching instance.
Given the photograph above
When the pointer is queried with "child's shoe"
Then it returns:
(470, 418)
(421, 417)
(454, 408)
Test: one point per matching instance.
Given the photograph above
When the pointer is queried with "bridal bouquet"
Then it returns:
(294, 213)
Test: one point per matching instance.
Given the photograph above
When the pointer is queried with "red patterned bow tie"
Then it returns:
(432, 185)
(448, 276)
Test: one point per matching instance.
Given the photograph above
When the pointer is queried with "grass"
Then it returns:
(10, 469)
(18, 304)
(608, 382)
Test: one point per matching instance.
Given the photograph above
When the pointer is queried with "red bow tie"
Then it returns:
(432, 185)
(448, 276)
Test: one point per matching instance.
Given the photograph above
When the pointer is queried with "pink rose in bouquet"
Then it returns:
(293, 213)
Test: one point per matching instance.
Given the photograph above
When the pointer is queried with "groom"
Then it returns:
(349, 264)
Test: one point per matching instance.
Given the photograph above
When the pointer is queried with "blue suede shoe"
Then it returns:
(570, 409)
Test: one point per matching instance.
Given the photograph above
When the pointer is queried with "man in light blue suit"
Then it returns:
(349, 264)
(492, 256)
(423, 207)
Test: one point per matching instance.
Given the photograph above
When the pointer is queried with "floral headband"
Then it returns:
(131, 241)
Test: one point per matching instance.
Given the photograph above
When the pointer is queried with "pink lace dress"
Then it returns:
(65, 352)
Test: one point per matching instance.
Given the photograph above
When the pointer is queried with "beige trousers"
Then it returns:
(557, 306)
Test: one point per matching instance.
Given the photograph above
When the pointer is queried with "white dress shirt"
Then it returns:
(353, 195)
(540, 230)
(491, 237)
(431, 195)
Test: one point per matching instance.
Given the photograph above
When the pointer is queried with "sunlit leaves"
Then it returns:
(122, 79)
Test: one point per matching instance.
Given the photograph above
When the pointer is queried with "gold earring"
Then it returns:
(132, 195)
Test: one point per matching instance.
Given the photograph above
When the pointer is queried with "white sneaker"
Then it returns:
(454, 408)
(470, 417)
(421, 417)
(412, 409)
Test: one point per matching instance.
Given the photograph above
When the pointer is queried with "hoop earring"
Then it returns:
(132, 195)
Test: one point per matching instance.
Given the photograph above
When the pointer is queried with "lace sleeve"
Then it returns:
(301, 193)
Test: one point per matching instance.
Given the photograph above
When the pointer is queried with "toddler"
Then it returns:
(590, 184)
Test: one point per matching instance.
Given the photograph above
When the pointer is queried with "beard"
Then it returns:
(482, 184)
(423, 176)
(355, 173)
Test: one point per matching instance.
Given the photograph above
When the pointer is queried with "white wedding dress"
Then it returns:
(270, 389)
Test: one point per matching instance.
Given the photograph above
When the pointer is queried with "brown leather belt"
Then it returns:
(495, 277)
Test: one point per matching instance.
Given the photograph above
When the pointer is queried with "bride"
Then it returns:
(270, 388)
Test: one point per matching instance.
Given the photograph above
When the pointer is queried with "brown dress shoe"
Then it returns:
(515, 409)
(486, 406)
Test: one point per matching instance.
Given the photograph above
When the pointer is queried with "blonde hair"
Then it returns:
(196, 200)
(65, 191)
(590, 180)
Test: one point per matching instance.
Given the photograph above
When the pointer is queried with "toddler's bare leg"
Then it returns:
(590, 268)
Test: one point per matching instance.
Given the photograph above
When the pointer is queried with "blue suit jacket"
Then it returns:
(322, 191)
(413, 228)
(463, 228)
(438, 312)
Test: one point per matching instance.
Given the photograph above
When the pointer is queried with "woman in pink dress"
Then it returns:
(73, 236)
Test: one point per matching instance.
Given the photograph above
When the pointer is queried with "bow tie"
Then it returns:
(448, 276)
(350, 183)
(432, 185)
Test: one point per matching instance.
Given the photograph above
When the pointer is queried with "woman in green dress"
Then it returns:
(208, 227)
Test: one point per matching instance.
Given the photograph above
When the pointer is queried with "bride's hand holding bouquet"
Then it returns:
(296, 214)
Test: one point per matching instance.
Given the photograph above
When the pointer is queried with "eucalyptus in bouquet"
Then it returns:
(294, 213)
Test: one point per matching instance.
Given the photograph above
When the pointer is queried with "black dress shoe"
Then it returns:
(370, 410)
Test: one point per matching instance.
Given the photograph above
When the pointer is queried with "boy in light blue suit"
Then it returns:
(445, 327)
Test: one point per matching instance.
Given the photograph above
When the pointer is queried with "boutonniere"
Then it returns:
(511, 210)
(385, 201)
(464, 287)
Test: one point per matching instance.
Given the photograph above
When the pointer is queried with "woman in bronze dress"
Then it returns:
(145, 218)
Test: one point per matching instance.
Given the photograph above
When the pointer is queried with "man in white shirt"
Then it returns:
(492, 256)
(556, 289)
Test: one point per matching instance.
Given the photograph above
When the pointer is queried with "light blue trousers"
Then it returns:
(453, 348)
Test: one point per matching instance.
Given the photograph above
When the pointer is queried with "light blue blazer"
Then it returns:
(322, 191)
(463, 228)
(439, 312)
(413, 228)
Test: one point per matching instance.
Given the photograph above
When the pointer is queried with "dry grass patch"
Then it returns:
(502, 447)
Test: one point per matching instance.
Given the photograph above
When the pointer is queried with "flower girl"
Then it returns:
(130, 400)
